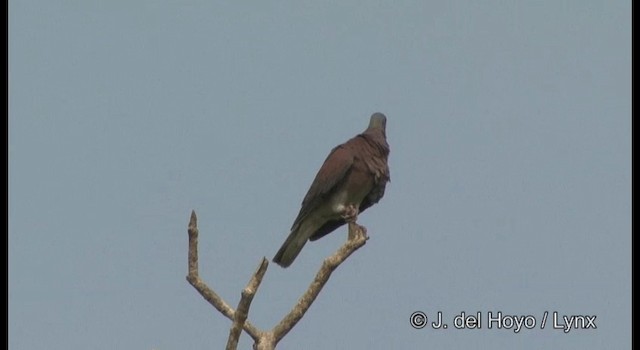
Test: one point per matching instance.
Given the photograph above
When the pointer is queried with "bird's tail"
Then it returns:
(291, 247)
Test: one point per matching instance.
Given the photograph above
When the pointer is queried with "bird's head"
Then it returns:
(378, 121)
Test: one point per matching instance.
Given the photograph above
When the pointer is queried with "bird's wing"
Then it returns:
(333, 171)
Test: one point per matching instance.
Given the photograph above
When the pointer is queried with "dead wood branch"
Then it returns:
(267, 340)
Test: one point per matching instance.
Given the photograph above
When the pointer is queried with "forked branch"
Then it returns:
(267, 340)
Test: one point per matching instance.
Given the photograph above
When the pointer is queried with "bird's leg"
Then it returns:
(350, 213)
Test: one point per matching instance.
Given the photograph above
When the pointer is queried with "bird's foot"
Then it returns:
(350, 213)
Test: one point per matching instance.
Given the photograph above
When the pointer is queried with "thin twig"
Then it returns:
(207, 293)
(357, 238)
(242, 311)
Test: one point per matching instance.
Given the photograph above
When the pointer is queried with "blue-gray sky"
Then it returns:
(509, 125)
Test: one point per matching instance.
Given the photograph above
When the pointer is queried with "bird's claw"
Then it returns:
(350, 213)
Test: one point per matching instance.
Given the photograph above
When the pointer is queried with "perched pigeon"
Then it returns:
(352, 178)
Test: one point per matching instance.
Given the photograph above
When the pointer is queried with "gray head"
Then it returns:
(378, 121)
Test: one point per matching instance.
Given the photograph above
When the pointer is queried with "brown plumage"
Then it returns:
(352, 178)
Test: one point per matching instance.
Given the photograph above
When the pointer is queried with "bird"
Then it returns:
(352, 178)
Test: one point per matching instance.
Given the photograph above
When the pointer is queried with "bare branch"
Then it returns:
(242, 311)
(207, 293)
(267, 340)
(193, 245)
(357, 238)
